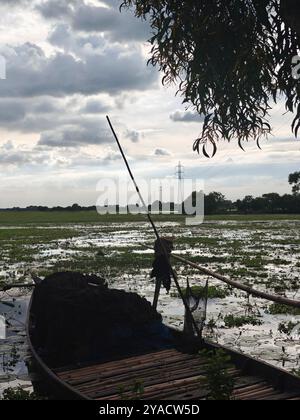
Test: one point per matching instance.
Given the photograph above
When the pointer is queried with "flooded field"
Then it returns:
(261, 253)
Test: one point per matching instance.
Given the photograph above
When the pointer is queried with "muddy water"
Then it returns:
(277, 243)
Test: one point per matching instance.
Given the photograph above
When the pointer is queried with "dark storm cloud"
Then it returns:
(188, 116)
(31, 73)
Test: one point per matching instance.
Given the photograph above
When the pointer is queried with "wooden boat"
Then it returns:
(173, 373)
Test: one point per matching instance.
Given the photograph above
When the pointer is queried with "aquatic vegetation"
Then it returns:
(232, 321)
(296, 372)
(212, 292)
(254, 262)
(288, 327)
(19, 393)
(278, 309)
(220, 382)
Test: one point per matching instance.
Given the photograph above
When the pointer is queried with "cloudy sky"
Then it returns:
(69, 63)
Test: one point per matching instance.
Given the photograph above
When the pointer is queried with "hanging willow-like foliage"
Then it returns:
(231, 59)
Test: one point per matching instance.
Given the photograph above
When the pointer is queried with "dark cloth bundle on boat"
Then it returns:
(161, 265)
(78, 318)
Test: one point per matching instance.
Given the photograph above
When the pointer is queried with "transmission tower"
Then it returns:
(180, 171)
(180, 178)
(160, 199)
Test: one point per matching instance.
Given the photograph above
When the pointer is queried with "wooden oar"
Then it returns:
(263, 295)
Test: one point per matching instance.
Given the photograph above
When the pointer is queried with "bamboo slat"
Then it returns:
(164, 375)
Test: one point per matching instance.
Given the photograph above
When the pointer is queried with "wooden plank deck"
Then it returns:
(163, 375)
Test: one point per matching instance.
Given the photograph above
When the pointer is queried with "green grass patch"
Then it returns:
(14, 218)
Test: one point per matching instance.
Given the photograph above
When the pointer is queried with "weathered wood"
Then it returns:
(174, 387)
(123, 362)
(102, 370)
(164, 375)
(195, 392)
(263, 295)
(266, 393)
(132, 374)
(165, 379)
(244, 390)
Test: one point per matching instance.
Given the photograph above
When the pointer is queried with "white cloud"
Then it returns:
(69, 63)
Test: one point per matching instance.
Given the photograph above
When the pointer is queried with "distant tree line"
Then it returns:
(215, 203)
(73, 208)
(273, 203)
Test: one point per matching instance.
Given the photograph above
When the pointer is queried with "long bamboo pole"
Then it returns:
(263, 295)
(173, 273)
